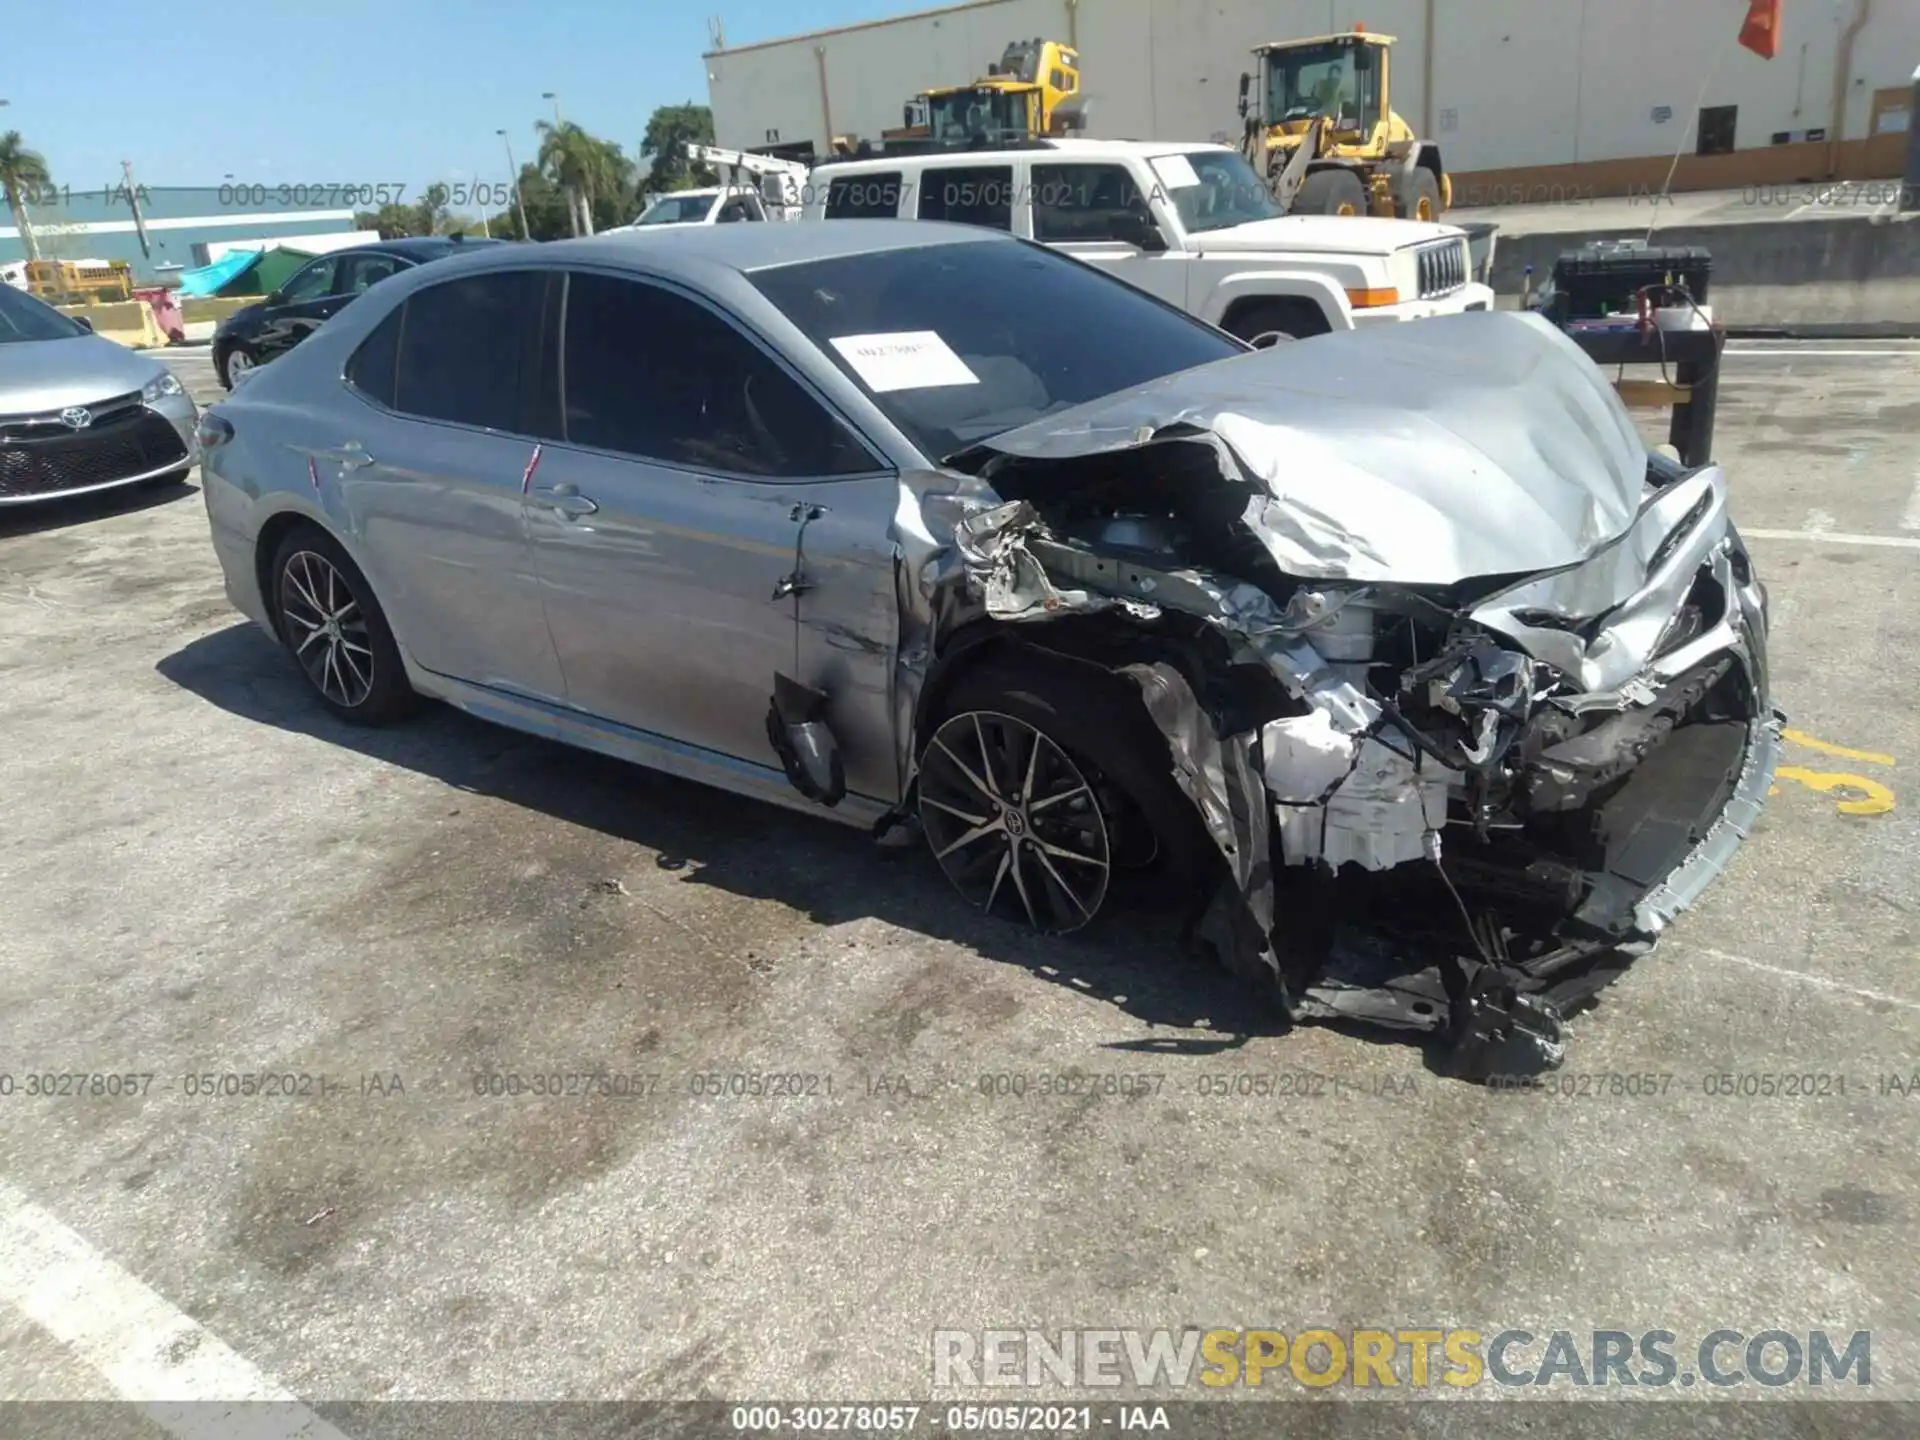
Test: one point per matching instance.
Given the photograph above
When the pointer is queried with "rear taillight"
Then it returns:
(212, 431)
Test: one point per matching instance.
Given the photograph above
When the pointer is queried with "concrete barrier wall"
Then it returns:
(196, 309)
(126, 322)
(1848, 275)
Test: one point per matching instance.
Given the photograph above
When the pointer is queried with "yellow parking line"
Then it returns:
(1872, 757)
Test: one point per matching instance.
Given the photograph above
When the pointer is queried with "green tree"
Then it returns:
(392, 221)
(585, 168)
(669, 130)
(22, 173)
(546, 208)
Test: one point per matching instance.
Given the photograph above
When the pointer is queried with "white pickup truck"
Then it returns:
(1191, 223)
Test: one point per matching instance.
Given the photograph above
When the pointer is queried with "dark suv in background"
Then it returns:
(315, 293)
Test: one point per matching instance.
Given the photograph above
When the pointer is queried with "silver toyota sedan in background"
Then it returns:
(81, 413)
(1393, 656)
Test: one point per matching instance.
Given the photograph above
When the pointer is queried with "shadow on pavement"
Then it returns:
(45, 515)
(831, 873)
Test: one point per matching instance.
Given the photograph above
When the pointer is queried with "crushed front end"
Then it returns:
(1464, 757)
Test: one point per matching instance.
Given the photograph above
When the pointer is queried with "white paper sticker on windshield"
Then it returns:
(904, 360)
(1175, 171)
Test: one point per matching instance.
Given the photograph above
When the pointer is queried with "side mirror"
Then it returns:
(1246, 85)
(1138, 230)
(272, 297)
(83, 322)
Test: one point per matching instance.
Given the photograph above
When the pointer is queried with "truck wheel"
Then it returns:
(1264, 323)
(1419, 198)
(1331, 192)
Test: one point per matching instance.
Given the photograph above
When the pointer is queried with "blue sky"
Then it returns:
(365, 91)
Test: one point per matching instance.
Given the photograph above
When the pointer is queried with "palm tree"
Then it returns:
(581, 166)
(22, 171)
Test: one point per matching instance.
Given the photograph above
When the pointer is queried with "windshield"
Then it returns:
(24, 318)
(967, 115)
(676, 210)
(1223, 190)
(956, 343)
(1313, 80)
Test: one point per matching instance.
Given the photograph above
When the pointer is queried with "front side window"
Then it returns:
(312, 281)
(463, 349)
(1212, 189)
(864, 197)
(653, 374)
(1083, 202)
(958, 342)
(968, 195)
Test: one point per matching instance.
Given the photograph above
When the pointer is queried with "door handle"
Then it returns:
(565, 498)
(350, 456)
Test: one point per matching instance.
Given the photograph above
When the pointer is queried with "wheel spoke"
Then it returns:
(365, 678)
(978, 784)
(1037, 806)
(1059, 880)
(979, 832)
(1020, 884)
(300, 583)
(1033, 763)
(999, 875)
(1045, 848)
(953, 810)
(986, 760)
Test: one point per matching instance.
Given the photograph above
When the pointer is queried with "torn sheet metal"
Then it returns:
(1013, 583)
(1466, 445)
(1220, 777)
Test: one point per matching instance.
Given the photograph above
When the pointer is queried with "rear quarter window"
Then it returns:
(864, 197)
(372, 367)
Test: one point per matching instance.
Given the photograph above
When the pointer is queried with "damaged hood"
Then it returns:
(1424, 453)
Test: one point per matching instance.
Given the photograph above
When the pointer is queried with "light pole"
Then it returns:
(514, 170)
(555, 98)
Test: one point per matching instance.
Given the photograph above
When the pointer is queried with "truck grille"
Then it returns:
(1443, 268)
(41, 455)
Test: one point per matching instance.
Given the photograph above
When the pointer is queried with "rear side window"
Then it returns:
(1082, 202)
(465, 346)
(653, 374)
(372, 367)
(864, 197)
(969, 195)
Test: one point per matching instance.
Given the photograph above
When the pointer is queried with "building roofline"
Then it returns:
(848, 29)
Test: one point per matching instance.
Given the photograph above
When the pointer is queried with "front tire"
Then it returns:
(1419, 199)
(1040, 787)
(335, 630)
(234, 362)
(1266, 323)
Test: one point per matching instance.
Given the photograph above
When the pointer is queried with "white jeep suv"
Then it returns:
(1191, 223)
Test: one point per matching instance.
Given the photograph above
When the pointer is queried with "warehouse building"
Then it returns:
(184, 226)
(1528, 99)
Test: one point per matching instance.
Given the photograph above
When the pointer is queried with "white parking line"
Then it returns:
(1910, 517)
(1879, 997)
(1802, 353)
(181, 1374)
(1835, 537)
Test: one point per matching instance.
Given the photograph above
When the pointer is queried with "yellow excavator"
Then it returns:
(1322, 130)
(1033, 91)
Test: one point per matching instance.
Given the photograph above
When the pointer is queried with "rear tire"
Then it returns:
(1044, 791)
(335, 631)
(1331, 192)
(225, 366)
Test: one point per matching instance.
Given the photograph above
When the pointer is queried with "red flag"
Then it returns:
(1761, 33)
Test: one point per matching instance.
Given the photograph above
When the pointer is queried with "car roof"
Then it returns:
(1039, 150)
(420, 247)
(696, 251)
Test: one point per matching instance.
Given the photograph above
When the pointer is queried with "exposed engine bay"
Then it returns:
(1469, 690)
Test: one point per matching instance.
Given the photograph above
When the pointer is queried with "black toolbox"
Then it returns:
(1603, 277)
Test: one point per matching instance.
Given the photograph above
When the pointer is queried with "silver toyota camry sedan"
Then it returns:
(1393, 657)
(80, 413)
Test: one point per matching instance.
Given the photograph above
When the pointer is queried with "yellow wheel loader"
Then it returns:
(1033, 91)
(1322, 130)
